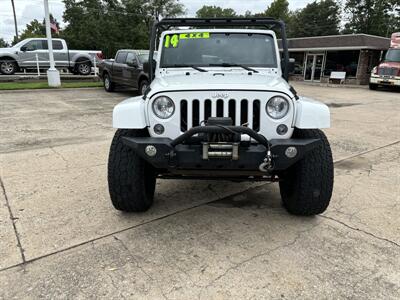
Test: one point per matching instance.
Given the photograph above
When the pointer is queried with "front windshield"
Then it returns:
(393, 55)
(19, 44)
(204, 49)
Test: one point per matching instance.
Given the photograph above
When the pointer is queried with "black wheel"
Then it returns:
(306, 187)
(131, 180)
(8, 67)
(373, 86)
(84, 68)
(143, 85)
(108, 84)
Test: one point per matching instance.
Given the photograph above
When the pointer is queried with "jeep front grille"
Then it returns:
(195, 112)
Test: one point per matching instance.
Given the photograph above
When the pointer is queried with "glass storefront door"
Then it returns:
(313, 67)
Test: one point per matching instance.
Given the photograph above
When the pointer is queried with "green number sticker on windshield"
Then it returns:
(167, 41)
(175, 38)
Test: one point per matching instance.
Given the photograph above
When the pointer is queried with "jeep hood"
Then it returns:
(219, 81)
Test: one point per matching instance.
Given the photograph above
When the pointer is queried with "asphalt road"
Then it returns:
(61, 238)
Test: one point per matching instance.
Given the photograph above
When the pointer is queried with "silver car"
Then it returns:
(33, 52)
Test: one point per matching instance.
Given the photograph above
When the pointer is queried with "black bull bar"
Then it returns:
(181, 154)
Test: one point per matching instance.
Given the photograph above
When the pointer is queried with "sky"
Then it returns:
(27, 10)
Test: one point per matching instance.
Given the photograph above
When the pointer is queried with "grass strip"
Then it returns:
(44, 85)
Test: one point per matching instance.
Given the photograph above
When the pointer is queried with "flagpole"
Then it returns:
(53, 75)
(15, 20)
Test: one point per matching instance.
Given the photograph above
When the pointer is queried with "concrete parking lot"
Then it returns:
(61, 238)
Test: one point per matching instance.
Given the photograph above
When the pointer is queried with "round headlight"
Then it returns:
(277, 107)
(163, 107)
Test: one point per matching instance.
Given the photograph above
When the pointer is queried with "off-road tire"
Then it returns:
(110, 86)
(373, 86)
(143, 84)
(131, 180)
(84, 68)
(306, 187)
(8, 67)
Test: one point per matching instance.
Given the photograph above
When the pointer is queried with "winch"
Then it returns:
(221, 150)
(229, 136)
(221, 145)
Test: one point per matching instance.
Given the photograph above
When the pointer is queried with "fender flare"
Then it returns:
(105, 71)
(130, 114)
(81, 57)
(311, 114)
(9, 56)
(142, 76)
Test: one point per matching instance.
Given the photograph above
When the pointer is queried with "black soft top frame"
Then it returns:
(268, 23)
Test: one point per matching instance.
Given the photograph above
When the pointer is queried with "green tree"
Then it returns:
(316, 19)
(93, 24)
(279, 9)
(3, 43)
(35, 29)
(377, 17)
(141, 15)
(158, 9)
(109, 25)
(215, 12)
(150, 10)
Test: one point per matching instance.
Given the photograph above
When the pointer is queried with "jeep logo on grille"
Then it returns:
(220, 95)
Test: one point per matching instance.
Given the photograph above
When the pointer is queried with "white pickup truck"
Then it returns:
(28, 53)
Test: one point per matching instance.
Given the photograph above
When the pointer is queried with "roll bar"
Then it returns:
(269, 23)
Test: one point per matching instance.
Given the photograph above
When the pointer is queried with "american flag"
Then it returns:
(54, 27)
(395, 41)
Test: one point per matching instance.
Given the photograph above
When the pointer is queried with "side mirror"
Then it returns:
(291, 65)
(23, 48)
(146, 66)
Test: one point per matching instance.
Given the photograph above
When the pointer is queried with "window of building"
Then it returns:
(298, 62)
(342, 61)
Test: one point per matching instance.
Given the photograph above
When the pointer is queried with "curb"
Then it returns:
(48, 90)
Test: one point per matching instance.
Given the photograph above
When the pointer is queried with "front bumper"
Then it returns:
(392, 81)
(181, 154)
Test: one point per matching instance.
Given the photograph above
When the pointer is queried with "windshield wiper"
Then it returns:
(233, 65)
(187, 66)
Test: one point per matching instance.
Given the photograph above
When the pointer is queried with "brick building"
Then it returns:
(355, 54)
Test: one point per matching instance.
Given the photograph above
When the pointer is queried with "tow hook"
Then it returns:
(267, 164)
(171, 156)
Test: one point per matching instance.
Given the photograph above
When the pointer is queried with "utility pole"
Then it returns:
(53, 75)
(15, 20)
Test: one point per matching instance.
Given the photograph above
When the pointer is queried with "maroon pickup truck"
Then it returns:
(125, 70)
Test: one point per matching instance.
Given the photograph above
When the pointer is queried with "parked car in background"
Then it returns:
(387, 73)
(125, 70)
(23, 56)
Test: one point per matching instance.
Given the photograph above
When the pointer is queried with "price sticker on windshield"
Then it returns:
(173, 40)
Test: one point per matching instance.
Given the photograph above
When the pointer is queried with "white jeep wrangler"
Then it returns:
(219, 107)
